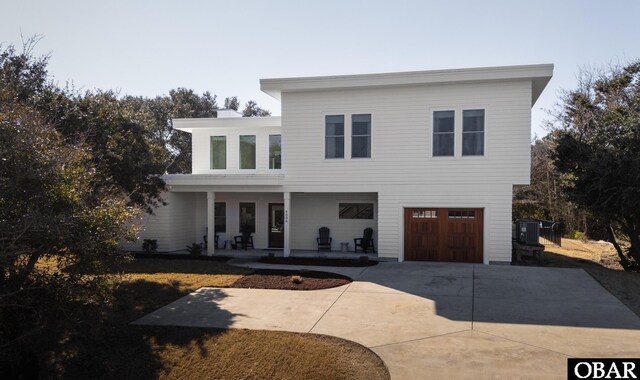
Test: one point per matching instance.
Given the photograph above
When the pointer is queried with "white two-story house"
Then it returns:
(427, 159)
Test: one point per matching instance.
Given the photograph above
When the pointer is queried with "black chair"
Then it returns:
(245, 240)
(365, 242)
(324, 241)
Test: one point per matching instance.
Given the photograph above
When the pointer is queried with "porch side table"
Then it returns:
(344, 246)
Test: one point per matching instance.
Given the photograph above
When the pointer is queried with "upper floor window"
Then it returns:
(218, 152)
(473, 132)
(361, 136)
(443, 133)
(248, 152)
(275, 152)
(334, 136)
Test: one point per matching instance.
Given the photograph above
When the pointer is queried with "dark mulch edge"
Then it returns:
(178, 256)
(281, 279)
(317, 261)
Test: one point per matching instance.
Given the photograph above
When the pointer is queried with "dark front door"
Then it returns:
(276, 225)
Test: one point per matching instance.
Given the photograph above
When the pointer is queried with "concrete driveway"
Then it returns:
(438, 320)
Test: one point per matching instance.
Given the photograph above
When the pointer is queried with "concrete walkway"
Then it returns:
(438, 320)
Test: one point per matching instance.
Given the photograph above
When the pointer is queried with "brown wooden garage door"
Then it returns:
(443, 234)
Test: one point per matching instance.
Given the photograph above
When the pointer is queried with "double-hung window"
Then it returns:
(443, 133)
(248, 152)
(334, 136)
(361, 136)
(473, 132)
(218, 152)
(247, 217)
(220, 219)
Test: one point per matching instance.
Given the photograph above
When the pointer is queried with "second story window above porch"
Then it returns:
(218, 152)
(275, 152)
(248, 152)
(361, 136)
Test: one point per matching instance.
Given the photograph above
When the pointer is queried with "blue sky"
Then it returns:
(149, 47)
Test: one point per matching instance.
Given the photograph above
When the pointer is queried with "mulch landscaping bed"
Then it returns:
(290, 280)
(179, 256)
(317, 261)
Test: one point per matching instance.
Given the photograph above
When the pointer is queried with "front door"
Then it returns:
(276, 225)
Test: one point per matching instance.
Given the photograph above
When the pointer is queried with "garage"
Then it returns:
(443, 234)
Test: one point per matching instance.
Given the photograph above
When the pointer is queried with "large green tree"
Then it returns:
(545, 197)
(60, 225)
(123, 149)
(180, 103)
(251, 109)
(598, 150)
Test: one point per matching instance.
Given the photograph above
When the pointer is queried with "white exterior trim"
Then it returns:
(540, 74)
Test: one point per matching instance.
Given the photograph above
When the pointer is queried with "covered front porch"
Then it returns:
(281, 222)
(288, 223)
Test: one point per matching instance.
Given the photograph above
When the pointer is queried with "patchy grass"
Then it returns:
(187, 275)
(102, 344)
(251, 354)
(601, 261)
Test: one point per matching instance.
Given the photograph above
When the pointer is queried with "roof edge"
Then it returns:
(189, 124)
(275, 86)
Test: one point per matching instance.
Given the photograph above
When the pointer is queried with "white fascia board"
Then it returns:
(188, 125)
(224, 179)
(540, 74)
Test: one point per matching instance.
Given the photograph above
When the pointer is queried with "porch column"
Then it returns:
(287, 215)
(211, 238)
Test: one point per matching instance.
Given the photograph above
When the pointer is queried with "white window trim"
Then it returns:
(375, 208)
(351, 136)
(457, 131)
(484, 136)
(269, 134)
(432, 112)
(227, 153)
(255, 148)
(347, 134)
(255, 205)
(324, 135)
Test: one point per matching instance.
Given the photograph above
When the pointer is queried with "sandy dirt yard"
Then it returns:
(600, 260)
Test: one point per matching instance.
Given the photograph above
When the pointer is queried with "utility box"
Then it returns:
(527, 232)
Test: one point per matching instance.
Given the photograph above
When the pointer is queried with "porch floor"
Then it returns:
(257, 253)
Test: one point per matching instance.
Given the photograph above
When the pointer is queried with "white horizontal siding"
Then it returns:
(494, 199)
(402, 135)
(311, 211)
(201, 149)
(172, 225)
